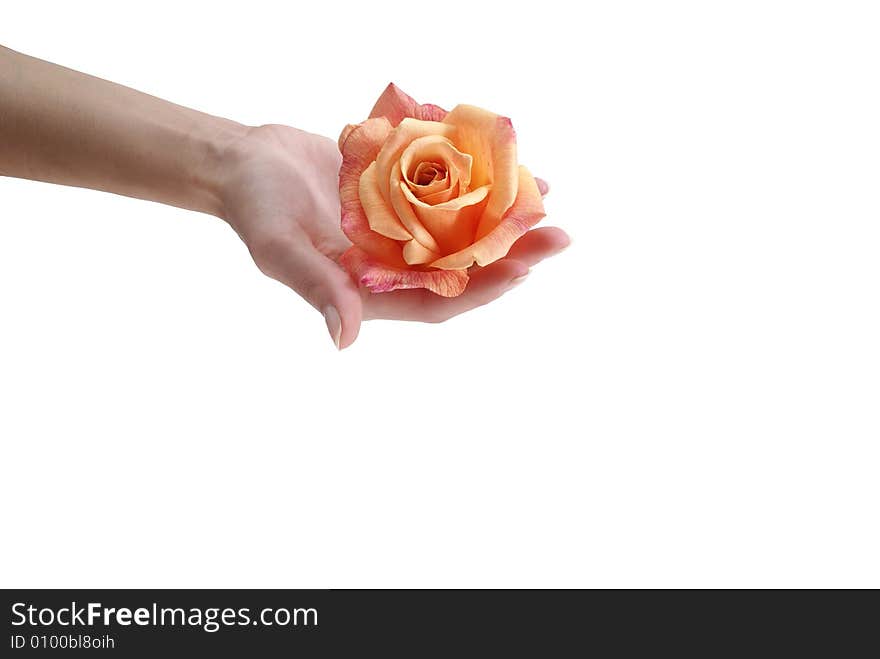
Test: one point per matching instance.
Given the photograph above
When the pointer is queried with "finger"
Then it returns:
(543, 186)
(538, 244)
(320, 281)
(484, 286)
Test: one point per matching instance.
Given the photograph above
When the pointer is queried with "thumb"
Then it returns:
(324, 285)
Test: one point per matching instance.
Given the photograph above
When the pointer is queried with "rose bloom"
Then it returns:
(426, 194)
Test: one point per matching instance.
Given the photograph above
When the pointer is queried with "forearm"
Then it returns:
(61, 126)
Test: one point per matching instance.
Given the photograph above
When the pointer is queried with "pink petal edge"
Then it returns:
(396, 105)
(380, 278)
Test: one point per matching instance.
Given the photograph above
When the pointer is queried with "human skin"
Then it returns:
(276, 186)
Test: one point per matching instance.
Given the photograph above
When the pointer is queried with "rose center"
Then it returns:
(428, 172)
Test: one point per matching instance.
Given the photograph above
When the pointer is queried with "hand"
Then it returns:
(282, 197)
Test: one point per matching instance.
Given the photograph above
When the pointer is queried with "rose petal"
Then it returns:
(527, 211)
(414, 253)
(405, 211)
(440, 196)
(380, 215)
(345, 133)
(381, 278)
(395, 106)
(369, 136)
(359, 149)
(408, 131)
(491, 140)
(452, 223)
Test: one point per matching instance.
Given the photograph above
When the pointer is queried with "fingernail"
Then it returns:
(517, 281)
(334, 325)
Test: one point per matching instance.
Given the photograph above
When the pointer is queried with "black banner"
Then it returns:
(412, 623)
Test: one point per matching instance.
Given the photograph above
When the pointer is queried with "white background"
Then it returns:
(687, 397)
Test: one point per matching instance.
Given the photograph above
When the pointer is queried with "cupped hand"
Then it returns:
(281, 195)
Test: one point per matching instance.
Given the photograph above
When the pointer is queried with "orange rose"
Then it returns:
(427, 194)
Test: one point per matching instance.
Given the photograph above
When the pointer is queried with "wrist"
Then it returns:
(221, 145)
